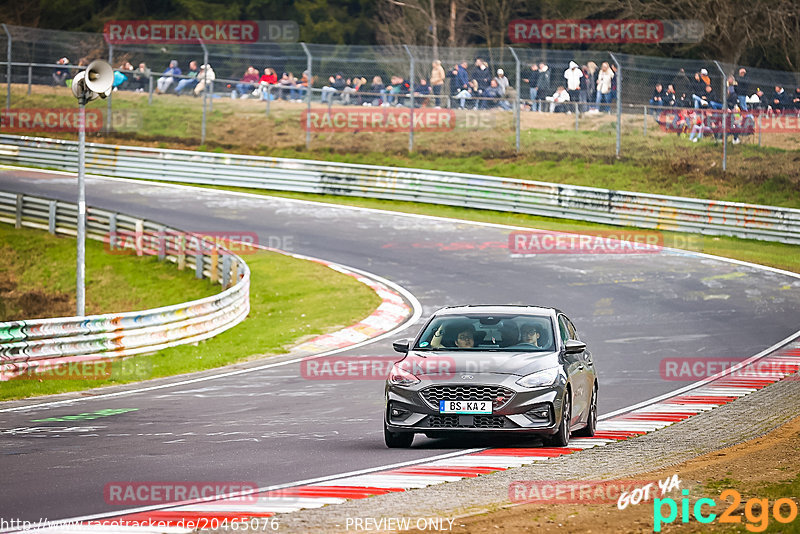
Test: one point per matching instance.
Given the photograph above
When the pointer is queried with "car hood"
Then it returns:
(446, 363)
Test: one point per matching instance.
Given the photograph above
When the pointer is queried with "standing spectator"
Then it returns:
(190, 82)
(167, 77)
(681, 83)
(732, 89)
(437, 81)
(573, 76)
(141, 78)
(779, 99)
(204, 76)
(502, 82)
(543, 85)
(60, 74)
(462, 78)
(247, 84)
(484, 78)
(267, 80)
(605, 77)
(583, 94)
(533, 85)
(743, 88)
(591, 68)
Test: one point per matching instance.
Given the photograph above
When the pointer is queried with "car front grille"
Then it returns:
(453, 421)
(433, 394)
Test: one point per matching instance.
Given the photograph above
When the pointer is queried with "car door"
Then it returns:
(580, 374)
(573, 364)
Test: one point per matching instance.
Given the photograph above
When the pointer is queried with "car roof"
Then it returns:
(498, 308)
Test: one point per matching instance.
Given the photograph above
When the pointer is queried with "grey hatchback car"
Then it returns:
(499, 369)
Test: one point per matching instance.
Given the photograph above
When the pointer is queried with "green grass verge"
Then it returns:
(778, 255)
(290, 299)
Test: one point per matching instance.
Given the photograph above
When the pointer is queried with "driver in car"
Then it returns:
(530, 334)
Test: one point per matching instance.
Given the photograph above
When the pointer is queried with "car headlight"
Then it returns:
(545, 377)
(401, 377)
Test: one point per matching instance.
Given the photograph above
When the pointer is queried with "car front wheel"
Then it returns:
(397, 440)
(561, 438)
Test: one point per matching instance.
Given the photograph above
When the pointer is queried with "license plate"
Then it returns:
(465, 407)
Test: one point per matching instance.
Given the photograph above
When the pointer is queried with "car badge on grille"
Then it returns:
(467, 377)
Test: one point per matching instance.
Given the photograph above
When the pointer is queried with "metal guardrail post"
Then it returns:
(309, 60)
(162, 244)
(112, 231)
(619, 101)
(52, 206)
(139, 233)
(226, 270)
(18, 217)
(214, 269)
(724, 116)
(150, 89)
(182, 252)
(8, 68)
(411, 94)
(111, 93)
(198, 265)
(517, 108)
(205, 92)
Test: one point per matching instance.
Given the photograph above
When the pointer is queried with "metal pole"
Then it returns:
(308, 96)
(517, 112)
(30, 78)
(724, 117)
(644, 124)
(576, 117)
(150, 89)
(411, 90)
(8, 69)
(108, 103)
(619, 101)
(80, 297)
(205, 92)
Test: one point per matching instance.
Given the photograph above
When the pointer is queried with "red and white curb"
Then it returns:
(708, 394)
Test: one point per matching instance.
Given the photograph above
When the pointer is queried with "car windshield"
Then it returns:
(495, 332)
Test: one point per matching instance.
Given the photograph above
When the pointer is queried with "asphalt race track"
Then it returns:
(273, 426)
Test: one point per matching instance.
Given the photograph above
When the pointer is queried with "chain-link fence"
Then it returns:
(296, 95)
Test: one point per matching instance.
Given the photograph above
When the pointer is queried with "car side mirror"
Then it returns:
(401, 345)
(573, 346)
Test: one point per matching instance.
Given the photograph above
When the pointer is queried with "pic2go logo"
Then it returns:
(756, 511)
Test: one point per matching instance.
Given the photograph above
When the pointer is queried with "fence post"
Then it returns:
(619, 100)
(517, 109)
(309, 60)
(411, 111)
(30, 78)
(269, 97)
(214, 264)
(139, 233)
(724, 116)
(644, 123)
(111, 93)
(150, 89)
(51, 216)
(205, 92)
(8, 68)
(576, 117)
(18, 218)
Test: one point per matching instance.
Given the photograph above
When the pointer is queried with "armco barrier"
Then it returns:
(28, 347)
(415, 185)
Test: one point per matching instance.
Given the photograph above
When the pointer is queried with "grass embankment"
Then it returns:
(481, 143)
(289, 299)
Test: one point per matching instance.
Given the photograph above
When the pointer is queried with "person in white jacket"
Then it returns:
(604, 77)
(204, 75)
(573, 75)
